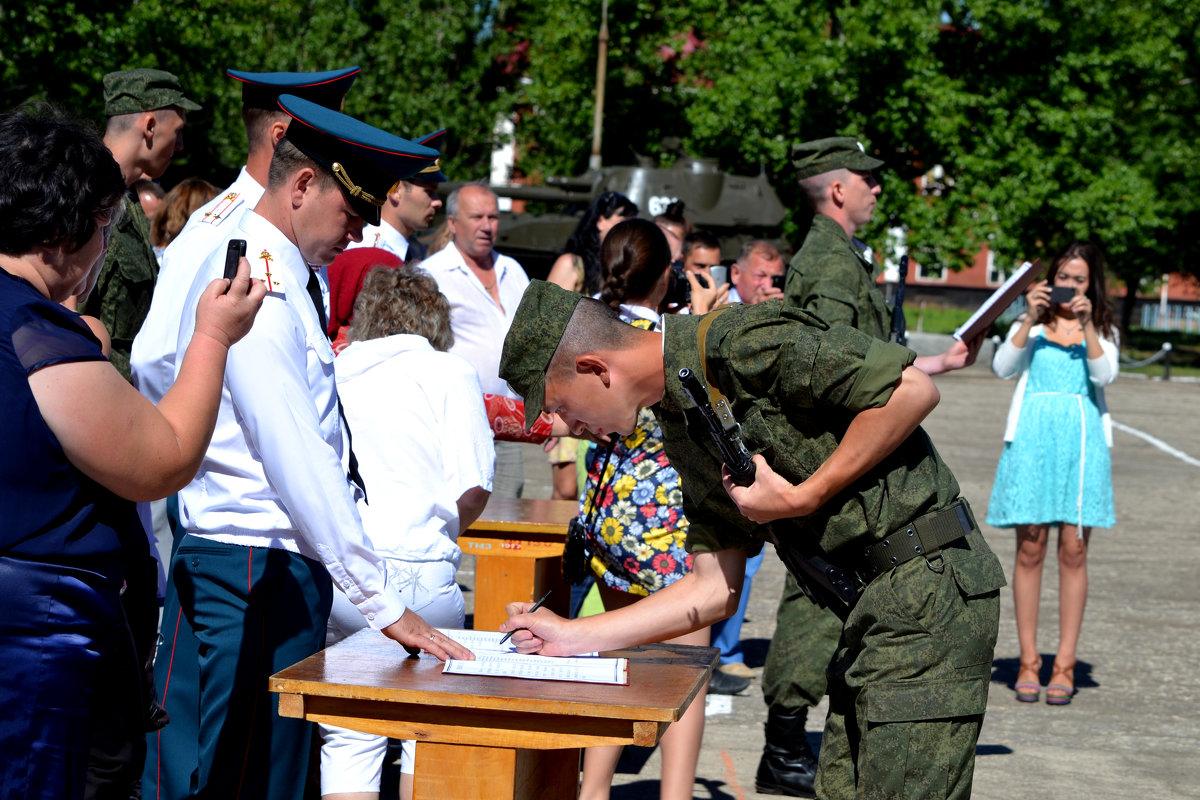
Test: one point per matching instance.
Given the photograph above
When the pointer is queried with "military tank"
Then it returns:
(736, 208)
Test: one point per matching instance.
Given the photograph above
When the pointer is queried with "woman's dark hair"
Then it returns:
(1097, 290)
(56, 178)
(634, 257)
(585, 241)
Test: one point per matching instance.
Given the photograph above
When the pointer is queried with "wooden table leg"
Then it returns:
(464, 772)
(500, 580)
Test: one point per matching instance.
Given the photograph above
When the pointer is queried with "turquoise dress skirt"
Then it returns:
(1057, 467)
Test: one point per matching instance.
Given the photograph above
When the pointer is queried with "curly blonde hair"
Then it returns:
(402, 300)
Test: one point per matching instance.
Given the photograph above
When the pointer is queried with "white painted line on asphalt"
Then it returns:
(717, 704)
(1159, 443)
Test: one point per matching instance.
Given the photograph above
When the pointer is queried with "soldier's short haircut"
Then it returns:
(815, 187)
(594, 326)
(287, 159)
(121, 123)
(257, 122)
(58, 179)
(699, 239)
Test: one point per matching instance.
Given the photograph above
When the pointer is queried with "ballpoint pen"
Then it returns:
(536, 606)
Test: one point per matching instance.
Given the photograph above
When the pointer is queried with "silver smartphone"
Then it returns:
(720, 275)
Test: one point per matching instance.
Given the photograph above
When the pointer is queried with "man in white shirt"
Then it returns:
(171, 752)
(271, 515)
(409, 209)
(484, 289)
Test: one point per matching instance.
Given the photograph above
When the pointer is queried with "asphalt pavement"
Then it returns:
(1133, 729)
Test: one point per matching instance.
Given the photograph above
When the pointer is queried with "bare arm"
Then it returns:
(117, 437)
(470, 506)
(705, 595)
(871, 436)
(566, 273)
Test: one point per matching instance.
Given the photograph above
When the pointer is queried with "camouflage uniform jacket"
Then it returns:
(121, 298)
(794, 384)
(831, 278)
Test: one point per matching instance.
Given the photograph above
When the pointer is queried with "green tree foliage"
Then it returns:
(426, 65)
(1050, 120)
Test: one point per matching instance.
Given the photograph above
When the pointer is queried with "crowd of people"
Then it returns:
(243, 461)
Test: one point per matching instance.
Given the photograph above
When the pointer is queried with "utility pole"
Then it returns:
(601, 72)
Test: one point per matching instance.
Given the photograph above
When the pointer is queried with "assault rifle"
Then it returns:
(820, 581)
(899, 325)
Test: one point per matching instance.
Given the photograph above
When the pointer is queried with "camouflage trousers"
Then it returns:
(908, 683)
(802, 646)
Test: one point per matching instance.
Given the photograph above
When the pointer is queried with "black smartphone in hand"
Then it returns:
(1061, 294)
(233, 254)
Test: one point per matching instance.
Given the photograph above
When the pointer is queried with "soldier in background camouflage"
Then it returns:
(146, 109)
(833, 275)
(844, 468)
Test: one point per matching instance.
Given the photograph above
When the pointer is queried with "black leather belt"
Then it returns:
(924, 536)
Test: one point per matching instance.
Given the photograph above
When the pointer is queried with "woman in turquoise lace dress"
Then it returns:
(1055, 468)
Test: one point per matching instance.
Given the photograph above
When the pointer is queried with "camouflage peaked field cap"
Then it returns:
(132, 90)
(536, 330)
(826, 155)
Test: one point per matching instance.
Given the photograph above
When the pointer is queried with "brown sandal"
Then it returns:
(1061, 688)
(1029, 691)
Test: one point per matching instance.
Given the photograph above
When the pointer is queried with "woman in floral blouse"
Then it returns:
(638, 530)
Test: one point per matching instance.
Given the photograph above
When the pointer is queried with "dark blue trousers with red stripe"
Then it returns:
(233, 616)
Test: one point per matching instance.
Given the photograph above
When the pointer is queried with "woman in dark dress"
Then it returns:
(80, 445)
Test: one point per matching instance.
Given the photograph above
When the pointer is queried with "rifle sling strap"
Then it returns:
(715, 398)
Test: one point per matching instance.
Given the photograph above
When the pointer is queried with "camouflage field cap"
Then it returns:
(536, 330)
(134, 90)
(825, 155)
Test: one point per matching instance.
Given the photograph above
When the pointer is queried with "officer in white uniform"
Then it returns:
(271, 515)
(153, 359)
(171, 754)
(408, 210)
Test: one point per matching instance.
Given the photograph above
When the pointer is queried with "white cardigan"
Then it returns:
(1011, 360)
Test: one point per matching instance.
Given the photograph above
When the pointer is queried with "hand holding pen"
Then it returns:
(532, 609)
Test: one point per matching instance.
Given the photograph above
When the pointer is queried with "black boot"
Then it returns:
(788, 766)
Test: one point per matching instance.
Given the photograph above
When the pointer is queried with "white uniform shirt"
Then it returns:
(479, 324)
(385, 237)
(273, 475)
(153, 356)
(422, 439)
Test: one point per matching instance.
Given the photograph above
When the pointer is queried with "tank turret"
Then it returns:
(737, 208)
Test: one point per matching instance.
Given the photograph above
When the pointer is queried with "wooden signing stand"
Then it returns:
(491, 738)
(518, 547)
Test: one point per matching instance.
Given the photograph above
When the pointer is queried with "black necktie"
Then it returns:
(314, 293)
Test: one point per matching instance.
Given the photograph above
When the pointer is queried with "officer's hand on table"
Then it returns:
(227, 308)
(770, 497)
(417, 634)
(542, 632)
